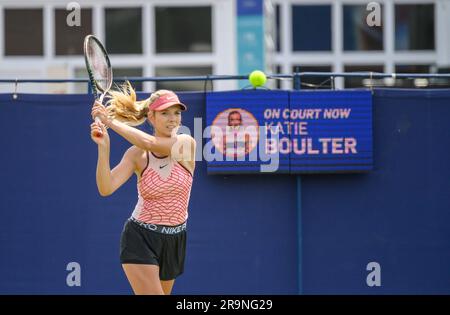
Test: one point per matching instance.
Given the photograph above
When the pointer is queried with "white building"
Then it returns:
(199, 37)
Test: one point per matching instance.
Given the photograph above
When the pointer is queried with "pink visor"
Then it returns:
(165, 101)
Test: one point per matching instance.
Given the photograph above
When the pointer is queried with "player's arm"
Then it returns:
(133, 135)
(109, 181)
(142, 139)
(159, 145)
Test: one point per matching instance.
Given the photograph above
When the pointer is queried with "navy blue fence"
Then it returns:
(386, 231)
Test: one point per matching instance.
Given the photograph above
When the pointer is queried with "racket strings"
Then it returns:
(99, 66)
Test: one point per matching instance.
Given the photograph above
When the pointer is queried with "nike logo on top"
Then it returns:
(162, 166)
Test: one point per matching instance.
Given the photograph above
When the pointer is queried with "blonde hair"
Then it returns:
(123, 106)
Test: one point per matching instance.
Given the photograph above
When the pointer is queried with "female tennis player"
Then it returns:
(153, 241)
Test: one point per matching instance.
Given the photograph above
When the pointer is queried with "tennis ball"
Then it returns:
(257, 78)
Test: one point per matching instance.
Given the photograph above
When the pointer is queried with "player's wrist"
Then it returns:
(107, 122)
(103, 146)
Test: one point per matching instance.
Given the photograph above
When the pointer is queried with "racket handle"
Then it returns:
(101, 98)
(97, 120)
(98, 133)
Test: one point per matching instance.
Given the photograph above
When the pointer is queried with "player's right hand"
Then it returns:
(99, 128)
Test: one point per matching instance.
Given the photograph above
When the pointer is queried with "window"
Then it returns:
(123, 30)
(440, 82)
(79, 88)
(183, 71)
(311, 28)
(24, 32)
(127, 73)
(313, 82)
(358, 35)
(183, 29)
(69, 39)
(278, 27)
(81, 73)
(414, 27)
(412, 83)
(363, 82)
(278, 69)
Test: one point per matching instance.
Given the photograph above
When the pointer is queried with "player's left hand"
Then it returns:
(99, 110)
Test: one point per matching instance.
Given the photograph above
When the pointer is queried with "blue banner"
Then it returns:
(381, 232)
(255, 131)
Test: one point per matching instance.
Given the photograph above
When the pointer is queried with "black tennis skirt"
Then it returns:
(164, 246)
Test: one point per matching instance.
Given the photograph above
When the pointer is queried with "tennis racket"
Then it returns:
(98, 67)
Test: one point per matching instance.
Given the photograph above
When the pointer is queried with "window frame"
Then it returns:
(220, 59)
(338, 57)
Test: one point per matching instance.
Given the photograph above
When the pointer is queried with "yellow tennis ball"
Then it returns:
(257, 78)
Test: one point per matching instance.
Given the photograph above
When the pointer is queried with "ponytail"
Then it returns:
(124, 107)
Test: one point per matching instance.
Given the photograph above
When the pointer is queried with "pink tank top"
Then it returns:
(163, 192)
